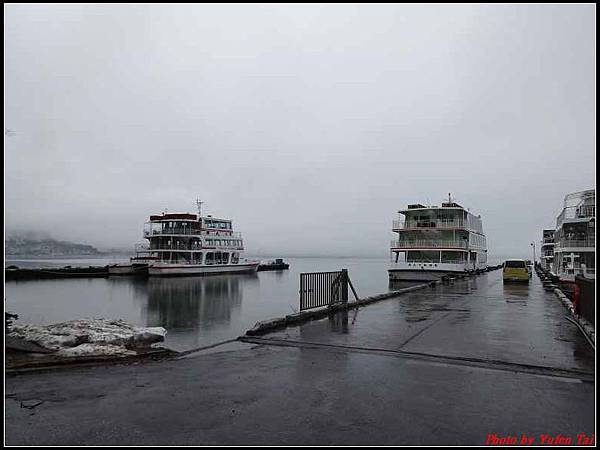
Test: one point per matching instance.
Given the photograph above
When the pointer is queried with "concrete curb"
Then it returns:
(587, 327)
(549, 283)
(301, 317)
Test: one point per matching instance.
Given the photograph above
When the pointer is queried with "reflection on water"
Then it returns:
(179, 303)
(196, 311)
(395, 285)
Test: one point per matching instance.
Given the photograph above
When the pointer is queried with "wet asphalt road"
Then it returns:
(445, 365)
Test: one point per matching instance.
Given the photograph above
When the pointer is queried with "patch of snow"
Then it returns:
(87, 335)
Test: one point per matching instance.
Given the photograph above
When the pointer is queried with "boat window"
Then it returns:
(210, 258)
(423, 256)
(452, 257)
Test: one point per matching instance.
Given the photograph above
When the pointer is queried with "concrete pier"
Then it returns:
(459, 363)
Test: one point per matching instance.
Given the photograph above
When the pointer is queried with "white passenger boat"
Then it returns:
(575, 237)
(434, 241)
(193, 244)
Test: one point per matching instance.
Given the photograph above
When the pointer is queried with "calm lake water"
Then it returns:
(196, 311)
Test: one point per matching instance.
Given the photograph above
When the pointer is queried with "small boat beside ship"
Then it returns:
(138, 264)
(434, 241)
(278, 264)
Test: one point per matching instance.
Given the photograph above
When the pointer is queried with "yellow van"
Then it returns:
(515, 270)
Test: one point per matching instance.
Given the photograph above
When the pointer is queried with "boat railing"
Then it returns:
(429, 244)
(181, 231)
(576, 212)
(586, 211)
(429, 264)
(439, 223)
(195, 247)
(578, 269)
(223, 246)
(575, 243)
(189, 232)
(230, 235)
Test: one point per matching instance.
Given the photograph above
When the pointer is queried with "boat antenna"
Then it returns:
(449, 198)
(199, 206)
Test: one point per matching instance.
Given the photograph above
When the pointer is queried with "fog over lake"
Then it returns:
(308, 125)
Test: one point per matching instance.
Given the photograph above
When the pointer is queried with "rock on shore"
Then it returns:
(84, 337)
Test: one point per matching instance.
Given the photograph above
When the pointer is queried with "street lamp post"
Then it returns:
(533, 245)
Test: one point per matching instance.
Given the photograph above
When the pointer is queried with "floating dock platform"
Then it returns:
(16, 273)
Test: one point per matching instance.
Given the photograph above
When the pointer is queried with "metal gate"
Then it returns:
(324, 289)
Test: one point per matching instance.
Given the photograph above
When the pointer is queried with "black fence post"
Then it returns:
(344, 286)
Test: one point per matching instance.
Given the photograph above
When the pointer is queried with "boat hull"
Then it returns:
(263, 267)
(170, 270)
(128, 269)
(420, 275)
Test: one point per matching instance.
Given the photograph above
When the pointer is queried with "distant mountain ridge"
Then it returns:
(46, 247)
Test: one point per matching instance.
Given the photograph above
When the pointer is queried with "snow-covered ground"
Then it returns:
(84, 337)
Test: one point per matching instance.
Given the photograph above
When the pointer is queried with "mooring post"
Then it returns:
(345, 280)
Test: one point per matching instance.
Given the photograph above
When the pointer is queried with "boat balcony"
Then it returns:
(576, 213)
(181, 247)
(548, 251)
(429, 244)
(586, 211)
(578, 269)
(223, 246)
(222, 234)
(398, 225)
(186, 231)
(588, 243)
(197, 245)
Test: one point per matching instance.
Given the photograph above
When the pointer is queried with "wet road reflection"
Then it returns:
(339, 322)
(478, 317)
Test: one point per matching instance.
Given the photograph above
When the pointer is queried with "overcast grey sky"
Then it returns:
(308, 125)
